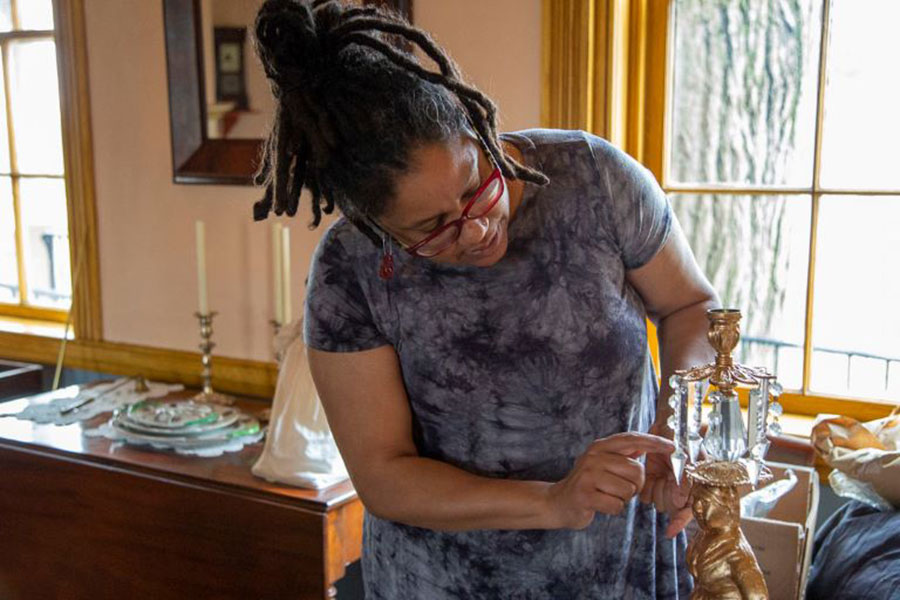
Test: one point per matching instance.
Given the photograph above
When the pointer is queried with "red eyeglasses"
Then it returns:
(483, 201)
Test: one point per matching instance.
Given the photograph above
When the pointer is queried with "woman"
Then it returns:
(476, 321)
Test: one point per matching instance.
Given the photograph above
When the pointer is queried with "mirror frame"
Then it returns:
(196, 158)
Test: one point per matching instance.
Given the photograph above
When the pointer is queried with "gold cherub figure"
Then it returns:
(719, 557)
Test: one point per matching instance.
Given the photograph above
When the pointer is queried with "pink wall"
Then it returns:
(497, 44)
(146, 223)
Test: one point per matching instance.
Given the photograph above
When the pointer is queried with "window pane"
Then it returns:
(755, 251)
(9, 277)
(856, 324)
(46, 241)
(35, 14)
(862, 121)
(35, 107)
(4, 134)
(744, 92)
(5, 15)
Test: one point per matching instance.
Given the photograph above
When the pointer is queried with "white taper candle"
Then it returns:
(277, 273)
(202, 300)
(286, 272)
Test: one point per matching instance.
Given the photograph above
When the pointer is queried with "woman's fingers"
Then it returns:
(678, 521)
(647, 490)
(607, 476)
(607, 504)
(632, 444)
(659, 494)
(626, 468)
(618, 487)
(679, 495)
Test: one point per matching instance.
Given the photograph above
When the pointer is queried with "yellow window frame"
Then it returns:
(71, 51)
(605, 70)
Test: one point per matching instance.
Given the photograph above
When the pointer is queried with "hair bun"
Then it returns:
(289, 40)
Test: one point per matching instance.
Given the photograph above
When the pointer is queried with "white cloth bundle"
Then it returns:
(300, 449)
(867, 453)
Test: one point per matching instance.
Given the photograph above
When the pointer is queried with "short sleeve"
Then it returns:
(639, 212)
(338, 317)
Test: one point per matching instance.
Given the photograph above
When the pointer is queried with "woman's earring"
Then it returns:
(386, 270)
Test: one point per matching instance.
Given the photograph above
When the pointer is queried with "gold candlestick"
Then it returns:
(719, 558)
(206, 345)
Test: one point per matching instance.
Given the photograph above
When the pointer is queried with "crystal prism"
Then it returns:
(694, 444)
(753, 469)
(731, 434)
(678, 459)
(759, 451)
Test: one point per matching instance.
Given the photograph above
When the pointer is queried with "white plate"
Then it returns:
(245, 423)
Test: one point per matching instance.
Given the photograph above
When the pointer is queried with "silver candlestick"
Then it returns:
(206, 345)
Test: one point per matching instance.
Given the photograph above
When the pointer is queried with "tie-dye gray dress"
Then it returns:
(512, 371)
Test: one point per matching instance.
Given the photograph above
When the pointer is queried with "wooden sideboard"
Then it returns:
(86, 518)
(19, 379)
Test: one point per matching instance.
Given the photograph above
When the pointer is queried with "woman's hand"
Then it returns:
(604, 478)
(661, 489)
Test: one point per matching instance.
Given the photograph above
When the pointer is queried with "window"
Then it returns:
(770, 125)
(35, 274)
(781, 163)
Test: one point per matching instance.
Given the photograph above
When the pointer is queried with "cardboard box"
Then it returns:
(783, 541)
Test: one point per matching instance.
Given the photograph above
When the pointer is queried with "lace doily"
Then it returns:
(87, 403)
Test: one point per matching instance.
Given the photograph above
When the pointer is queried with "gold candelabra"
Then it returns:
(206, 345)
(729, 455)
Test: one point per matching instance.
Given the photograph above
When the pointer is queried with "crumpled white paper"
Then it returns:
(871, 475)
(300, 449)
(759, 503)
(106, 398)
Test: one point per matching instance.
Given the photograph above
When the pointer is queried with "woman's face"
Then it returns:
(441, 180)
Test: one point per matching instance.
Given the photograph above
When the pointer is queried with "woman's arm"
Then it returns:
(677, 295)
(368, 411)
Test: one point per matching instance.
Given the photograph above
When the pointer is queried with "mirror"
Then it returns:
(238, 102)
(220, 106)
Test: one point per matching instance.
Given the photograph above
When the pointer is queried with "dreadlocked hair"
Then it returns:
(350, 106)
